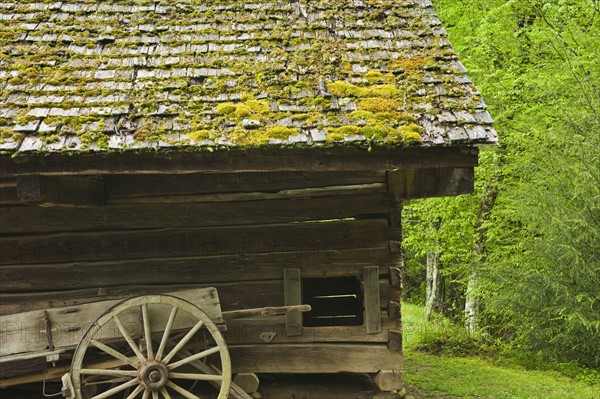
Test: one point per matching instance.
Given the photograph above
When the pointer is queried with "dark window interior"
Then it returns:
(335, 301)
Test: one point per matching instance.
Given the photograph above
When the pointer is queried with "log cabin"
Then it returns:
(262, 147)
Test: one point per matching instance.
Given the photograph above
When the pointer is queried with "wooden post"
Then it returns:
(292, 287)
(372, 299)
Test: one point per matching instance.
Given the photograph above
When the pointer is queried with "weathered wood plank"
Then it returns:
(125, 186)
(125, 244)
(265, 312)
(372, 300)
(232, 296)
(256, 160)
(188, 270)
(32, 219)
(292, 289)
(70, 190)
(27, 331)
(411, 183)
(313, 358)
(264, 330)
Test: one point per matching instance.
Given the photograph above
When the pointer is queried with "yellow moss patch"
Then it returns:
(375, 132)
(242, 111)
(341, 88)
(345, 89)
(334, 136)
(259, 106)
(407, 117)
(377, 76)
(281, 132)
(338, 133)
(375, 104)
(199, 135)
(409, 63)
(226, 108)
(257, 138)
(409, 134)
(346, 130)
(360, 114)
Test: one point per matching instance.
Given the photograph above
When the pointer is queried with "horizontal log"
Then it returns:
(263, 330)
(275, 358)
(136, 244)
(8, 196)
(32, 219)
(412, 183)
(309, 192)
(232, 296)
(254, 160)
(189, 270)
(79, 191)
(8, 183)
(125, 186)
(313, 358)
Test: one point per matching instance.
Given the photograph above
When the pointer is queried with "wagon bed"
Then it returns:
(133, 345)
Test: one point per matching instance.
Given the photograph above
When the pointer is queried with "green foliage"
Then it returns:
(538, 67)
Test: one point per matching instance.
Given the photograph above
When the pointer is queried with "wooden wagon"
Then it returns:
(137, 347)
(262, 148)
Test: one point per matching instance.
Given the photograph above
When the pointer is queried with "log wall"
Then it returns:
(236, 232)
(241, 230)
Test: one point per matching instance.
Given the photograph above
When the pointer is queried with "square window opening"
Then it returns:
(335, 301)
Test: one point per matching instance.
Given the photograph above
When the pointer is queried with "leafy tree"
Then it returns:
(533, 252)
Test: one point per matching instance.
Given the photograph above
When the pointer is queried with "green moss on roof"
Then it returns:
(107, 75)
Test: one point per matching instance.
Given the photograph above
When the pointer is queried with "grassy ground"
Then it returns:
(432, 376)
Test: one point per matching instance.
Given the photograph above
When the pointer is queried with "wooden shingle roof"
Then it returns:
(89, 76)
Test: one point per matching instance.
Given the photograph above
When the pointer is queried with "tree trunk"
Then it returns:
(488, 199)
(432, 292)
(472, 304)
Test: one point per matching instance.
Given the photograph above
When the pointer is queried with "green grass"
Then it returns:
(435, 377)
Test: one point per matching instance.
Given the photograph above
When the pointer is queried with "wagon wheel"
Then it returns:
(149, 370)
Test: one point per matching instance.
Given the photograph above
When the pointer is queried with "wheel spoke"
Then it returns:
(198, 377)
(136, 392)
(165, 393)
(154, 395)
(110, 351)
(166, 333)
(182, 391)
(119, 388)
(146, 394)
(192, 358)
(128, 338)
(147, 332)
(183, 341)
(109, 372)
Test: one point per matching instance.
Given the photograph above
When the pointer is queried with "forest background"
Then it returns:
(518, 261)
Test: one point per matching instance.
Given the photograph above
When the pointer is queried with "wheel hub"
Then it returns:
(153, 375)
